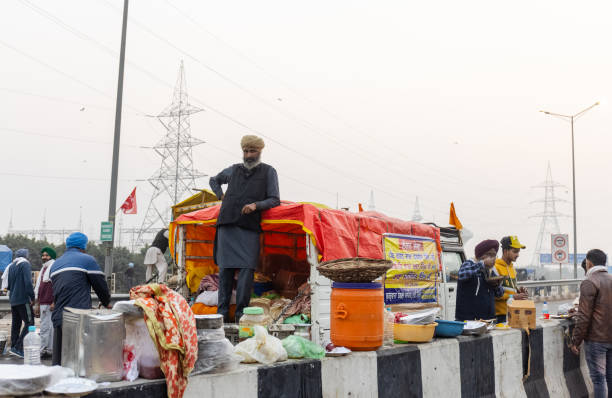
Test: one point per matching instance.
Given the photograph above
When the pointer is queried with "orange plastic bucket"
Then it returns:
(357, 315)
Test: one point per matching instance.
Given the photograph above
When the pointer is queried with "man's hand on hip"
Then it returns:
(247, 209)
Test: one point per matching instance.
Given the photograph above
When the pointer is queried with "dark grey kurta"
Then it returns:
(238, 247)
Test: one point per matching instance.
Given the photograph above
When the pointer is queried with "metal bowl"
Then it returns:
(23, 379)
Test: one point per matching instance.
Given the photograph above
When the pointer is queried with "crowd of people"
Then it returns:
(485, 284)
(63, 282)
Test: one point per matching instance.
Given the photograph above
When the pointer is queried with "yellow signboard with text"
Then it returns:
(414, 275)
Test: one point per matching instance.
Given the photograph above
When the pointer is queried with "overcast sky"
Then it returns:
(438, 100)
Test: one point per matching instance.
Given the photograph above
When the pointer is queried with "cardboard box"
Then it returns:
(522, 314)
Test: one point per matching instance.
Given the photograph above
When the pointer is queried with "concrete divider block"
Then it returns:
(239, 383)
(440, 372)
(290, 379)
(508, 363)
(354, 375)
(399, 372)
(533, 360)
(553, 360)
(477, 371)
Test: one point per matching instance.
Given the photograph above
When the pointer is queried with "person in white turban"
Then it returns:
(252, 188)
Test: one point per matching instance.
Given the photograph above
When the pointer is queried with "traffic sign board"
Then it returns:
(560, 248)
(559, 241)
(106, 231)
(560, 256)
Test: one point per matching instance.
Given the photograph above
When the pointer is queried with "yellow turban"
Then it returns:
(252, 141)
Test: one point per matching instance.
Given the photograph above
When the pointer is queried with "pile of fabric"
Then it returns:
(171, 324)
(299, 305)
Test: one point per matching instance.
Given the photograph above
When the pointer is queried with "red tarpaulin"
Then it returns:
(336, 233)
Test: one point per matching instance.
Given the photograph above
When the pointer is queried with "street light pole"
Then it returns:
(574, 203)
(571, 119)
(112, 203)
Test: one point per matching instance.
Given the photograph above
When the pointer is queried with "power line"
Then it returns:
(62, 137)
(61, 72)
(314, 160)
(353, 128)
(61, 177)
(58, 99)
(362, 153)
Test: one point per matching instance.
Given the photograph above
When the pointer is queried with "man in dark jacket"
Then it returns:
(594, 323)
(475, 294)
(73, 275)
(21, 298)
(252, 188)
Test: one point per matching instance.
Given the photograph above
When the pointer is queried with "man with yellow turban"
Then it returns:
(252, 187)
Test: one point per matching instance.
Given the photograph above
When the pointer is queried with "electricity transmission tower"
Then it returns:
(416, 215)
(56, 235)
(549, 215)
(176, 176)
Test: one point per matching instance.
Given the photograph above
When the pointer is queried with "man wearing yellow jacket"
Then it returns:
(504, 267)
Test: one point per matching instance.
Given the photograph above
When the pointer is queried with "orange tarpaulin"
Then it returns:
(335, 233)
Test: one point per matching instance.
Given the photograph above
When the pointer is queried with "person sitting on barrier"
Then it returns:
(593, 323)
(504, 266)
(475, 293)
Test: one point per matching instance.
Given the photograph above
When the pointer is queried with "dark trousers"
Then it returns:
(21, 313)
(501, 318)
(57, 346)
(599, 361)
(243, 291)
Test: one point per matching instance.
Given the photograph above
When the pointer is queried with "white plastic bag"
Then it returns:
(138, 349)
(425, 317)
(261, 348)
(210, 299)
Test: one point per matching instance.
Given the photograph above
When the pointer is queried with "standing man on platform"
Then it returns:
(252, 188)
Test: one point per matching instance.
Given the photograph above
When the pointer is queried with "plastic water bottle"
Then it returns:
(508, 302)
(545, 313)
(389, 320)
(31, 347)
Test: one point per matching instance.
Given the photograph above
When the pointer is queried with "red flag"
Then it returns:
(129, 206)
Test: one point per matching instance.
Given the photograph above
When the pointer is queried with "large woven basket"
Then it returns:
(354, 270)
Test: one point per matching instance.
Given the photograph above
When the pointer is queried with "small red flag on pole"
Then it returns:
(129, 206)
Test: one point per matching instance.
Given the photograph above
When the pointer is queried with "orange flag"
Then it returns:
(453, 219)
(360, 208)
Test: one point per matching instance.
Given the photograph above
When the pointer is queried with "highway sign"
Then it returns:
(106, 231)
(560, 248)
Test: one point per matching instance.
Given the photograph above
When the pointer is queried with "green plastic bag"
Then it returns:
(299, 347)
(299, 318)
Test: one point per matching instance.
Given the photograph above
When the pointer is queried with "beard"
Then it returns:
(251, 163)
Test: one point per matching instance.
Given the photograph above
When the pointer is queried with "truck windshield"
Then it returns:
(452, 263)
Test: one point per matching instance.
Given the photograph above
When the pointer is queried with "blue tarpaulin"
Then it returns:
(6, 256)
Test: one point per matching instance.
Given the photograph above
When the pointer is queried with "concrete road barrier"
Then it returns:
(492, 365)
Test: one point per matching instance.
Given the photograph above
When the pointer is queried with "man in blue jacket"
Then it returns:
(475, 294)
(73, 275)
(21, 298)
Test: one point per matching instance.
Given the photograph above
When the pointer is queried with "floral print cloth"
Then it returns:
(172, 327)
